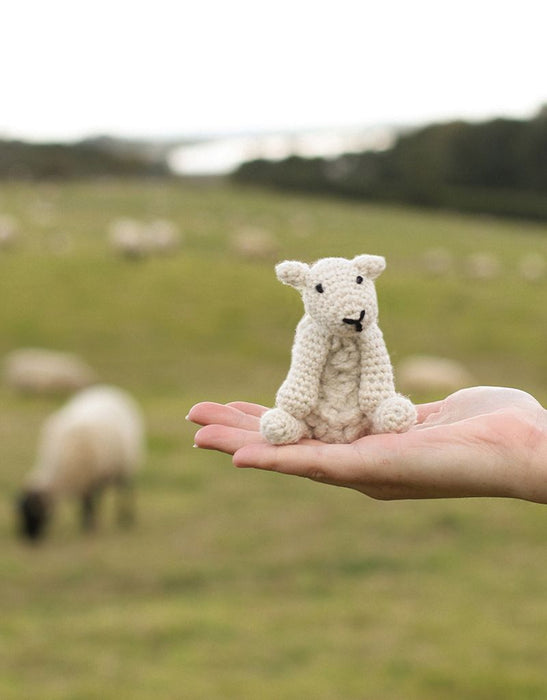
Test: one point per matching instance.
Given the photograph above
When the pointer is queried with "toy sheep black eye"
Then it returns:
(319, 288)
(359, 280)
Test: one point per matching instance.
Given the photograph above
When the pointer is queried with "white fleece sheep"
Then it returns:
(48, 372)
(430, 374)
(532, 267)
(127, 238)
(252, 243)
(162, 237)
(93, 441)
(340, 384)
(137, 239)
(9, 232)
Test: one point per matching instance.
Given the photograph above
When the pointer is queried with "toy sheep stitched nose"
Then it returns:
(356, 322)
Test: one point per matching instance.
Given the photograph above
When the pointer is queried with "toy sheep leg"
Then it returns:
(395, 414)
(280, 428)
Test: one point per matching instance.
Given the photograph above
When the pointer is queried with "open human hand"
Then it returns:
(481, 441)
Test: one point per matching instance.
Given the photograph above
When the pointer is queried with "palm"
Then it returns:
(461, 446)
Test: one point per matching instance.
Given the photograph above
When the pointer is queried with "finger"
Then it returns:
(208, 413)
(225, 439)
(327, 463)
(252, 409)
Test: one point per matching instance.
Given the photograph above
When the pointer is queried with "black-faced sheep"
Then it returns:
(94, 441)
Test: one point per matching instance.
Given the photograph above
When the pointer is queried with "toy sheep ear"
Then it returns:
(370, 265)
(292, 273)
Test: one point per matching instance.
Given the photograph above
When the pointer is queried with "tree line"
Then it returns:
(496, 167)
(20, 160)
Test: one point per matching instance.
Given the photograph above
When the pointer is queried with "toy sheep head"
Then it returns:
(338, 294)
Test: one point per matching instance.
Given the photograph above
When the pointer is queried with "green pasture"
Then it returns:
(242, 584)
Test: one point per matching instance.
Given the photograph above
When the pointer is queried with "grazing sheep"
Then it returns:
(37, 371)
(437, 262)
(162, 237)
(136, 239)
(532, 267)
(254, 244)
(483, 266)
(428, 374)
(9, 232)
(94, 441)
(127, 238)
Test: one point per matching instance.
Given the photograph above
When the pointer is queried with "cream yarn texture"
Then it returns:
(340, 383)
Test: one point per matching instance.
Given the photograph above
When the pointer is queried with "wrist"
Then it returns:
(534, 481)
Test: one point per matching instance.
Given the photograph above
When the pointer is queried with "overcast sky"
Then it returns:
(71, 69)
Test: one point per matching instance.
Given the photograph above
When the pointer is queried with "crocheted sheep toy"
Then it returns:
(340, 384)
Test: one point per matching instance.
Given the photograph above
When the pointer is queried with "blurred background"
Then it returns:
(156, 161)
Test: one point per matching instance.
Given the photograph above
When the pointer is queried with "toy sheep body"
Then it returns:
(95, 440)
(340, 383)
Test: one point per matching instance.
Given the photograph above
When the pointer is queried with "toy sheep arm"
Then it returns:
(390, 411)
(376, 372)
(299, 393)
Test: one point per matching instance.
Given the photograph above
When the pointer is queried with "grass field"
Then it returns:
(236, 584)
